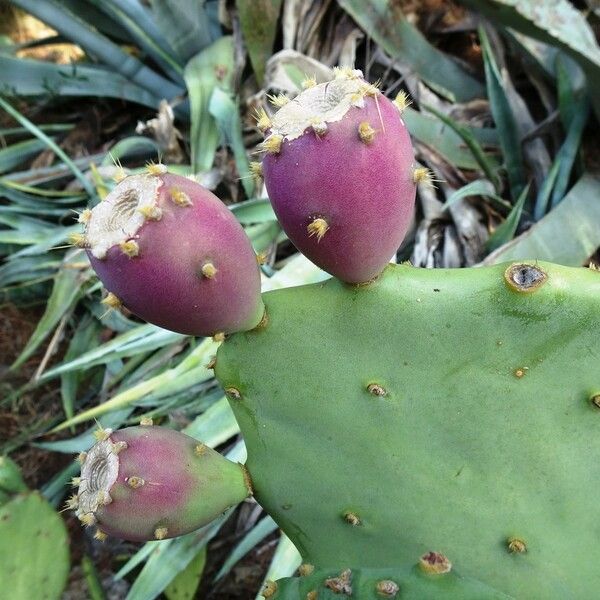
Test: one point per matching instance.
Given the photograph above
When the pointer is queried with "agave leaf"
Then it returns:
(38, 133)
(141, 339)
(15, 154)
(506, 231)
(469, 139)
(258, 533)
(87, 12)
(86, 337)
(185, 25)
(211, 68)
(225, 109)
(195, 361)
(253, 211)
(65, 292)
(137, 21)
(556, 22)
(479, 187)
(27, 77)
(506, 125)
(448, 143)
(215, 425)
(185, 584)
(385, 22)
(285, 561)
(568, 235)
(94, 43)
(258, 20)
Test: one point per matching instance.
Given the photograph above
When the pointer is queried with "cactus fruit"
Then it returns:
(173, 254)
(145, 483)
(339, 170)
(465, 451)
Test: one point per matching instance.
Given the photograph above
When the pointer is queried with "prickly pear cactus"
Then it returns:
(446, 410)
(34, 549)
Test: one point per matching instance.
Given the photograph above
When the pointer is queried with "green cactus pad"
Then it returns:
(34, 549)
(447, 410)
(408, 583)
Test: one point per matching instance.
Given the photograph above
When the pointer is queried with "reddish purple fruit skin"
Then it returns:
(159, 456)
(164, 286)
(365, 192)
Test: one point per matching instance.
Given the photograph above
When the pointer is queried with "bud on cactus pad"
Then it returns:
(172, 253)
(145, 483)
(339, 169)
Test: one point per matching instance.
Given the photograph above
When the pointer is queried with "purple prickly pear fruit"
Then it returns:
(174, 255)
(144, 483)
(339, 169)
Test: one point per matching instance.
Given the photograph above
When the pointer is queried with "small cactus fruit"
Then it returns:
(174, 255)
(339, 172)
(146, 483)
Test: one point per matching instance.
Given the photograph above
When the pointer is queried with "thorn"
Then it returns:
(119, 447)
(263, 122)
(233, 393)
(341, 584)
(88, 519)
(130, 248)
(520, 372)
(269, 589)
(309, 82)
(211, 363)
(352, 519)
(102, 434)
(256, 169)
(516, 545)
(434, 562)
(111, 301)
(103, 498)
(180, 198)
(357, 99)
(387, 588)
(370, 89)
(319, 126)
(312, 595)
(346, 73)
(77, 239)
(119, 175)
(209, 270)
(156, 168)
(85, 216)
(272, 144)
(261, 258)
(423, 175)
(279, 100)
(72, 503)
(100, 535)
(75, 481)
(200, 449)
(402, 101)
(146, 422)
(160, 533)
(152, 213)
(219, 337)
(305, 569)
(135, 482)
(376, 389)
(366, 133)
(81, 457)
(593, 267)
(595, 400)
(318, 227)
